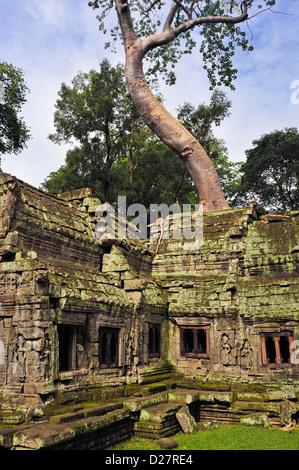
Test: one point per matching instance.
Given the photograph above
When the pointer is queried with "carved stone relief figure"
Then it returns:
(246, 355)
(18, 372)
(44, 363)
(225, 350)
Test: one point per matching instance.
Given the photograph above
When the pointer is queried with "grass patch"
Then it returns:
(225, 437)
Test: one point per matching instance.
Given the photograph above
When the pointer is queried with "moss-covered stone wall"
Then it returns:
(228, 308)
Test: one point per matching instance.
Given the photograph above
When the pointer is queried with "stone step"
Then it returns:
(47, 436)
(152, 431)
(156, 375)
(86, 413)
(158, 421)
(139, 403)
(14, 389)
(160, 413)
(217, 397)
(184, 396)
(265, 407)
(8, 417)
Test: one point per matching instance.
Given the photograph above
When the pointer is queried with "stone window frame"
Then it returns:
(154, 345)
(70, 350)
(275, 335)
(109, 331)
(195, 329)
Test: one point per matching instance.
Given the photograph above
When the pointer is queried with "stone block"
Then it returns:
(167, 443)
(288, 409)
(258, 419)
(278, 395)
(186, 420)
(135, 284)
(135, 296)
(184, 396)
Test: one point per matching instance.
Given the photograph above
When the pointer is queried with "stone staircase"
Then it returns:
(102, 426)
(158, 421)
(158, 415)
(153, 410)
(15, 405)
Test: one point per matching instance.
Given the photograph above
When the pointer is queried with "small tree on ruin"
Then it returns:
(161, 31)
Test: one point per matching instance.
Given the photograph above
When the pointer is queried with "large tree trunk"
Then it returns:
(162, 123)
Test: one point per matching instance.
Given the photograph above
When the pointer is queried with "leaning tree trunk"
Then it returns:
(162, 123)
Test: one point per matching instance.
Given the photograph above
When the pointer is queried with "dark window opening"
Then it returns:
(108, 347)
(154, 340)
(276, 349)
(285, 353)
(201, 342)
(54, 302)
(270, 348)
(8, 257)
(188, 343)
(195, 341)
(67, 347)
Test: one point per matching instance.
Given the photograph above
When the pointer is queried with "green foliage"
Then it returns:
(13, 131)
(116, 154)
(158, 177)
(91, 106)
(271, 172)
(94, 113)
(217, 38)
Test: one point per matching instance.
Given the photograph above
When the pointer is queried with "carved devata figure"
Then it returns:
(225, 350)
(246, 355)
(18, 365)
(28, 359)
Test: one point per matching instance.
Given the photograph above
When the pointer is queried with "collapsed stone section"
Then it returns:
(233, 304)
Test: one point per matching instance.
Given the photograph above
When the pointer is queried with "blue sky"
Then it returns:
(51, 40)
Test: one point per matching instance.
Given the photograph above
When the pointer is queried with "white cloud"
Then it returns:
(51, 12)
(53, 39)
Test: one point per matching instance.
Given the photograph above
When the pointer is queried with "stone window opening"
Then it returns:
(277, 349)
(67, 347)
(195, 341)
(54, 302)
(108, 347)
(6, 257)
(154, 340)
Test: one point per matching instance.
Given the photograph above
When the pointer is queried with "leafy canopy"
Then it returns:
(13, 130)
(116, 153)
(271, 172)
(218, 36)
(95, 115)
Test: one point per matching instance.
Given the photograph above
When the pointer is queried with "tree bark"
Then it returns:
(161, 122)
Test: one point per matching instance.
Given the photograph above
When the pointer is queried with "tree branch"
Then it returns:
(168, 34)
(179, 3)
(173, 9)
(152, 4)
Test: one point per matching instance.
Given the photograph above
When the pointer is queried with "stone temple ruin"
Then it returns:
(99, 341)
